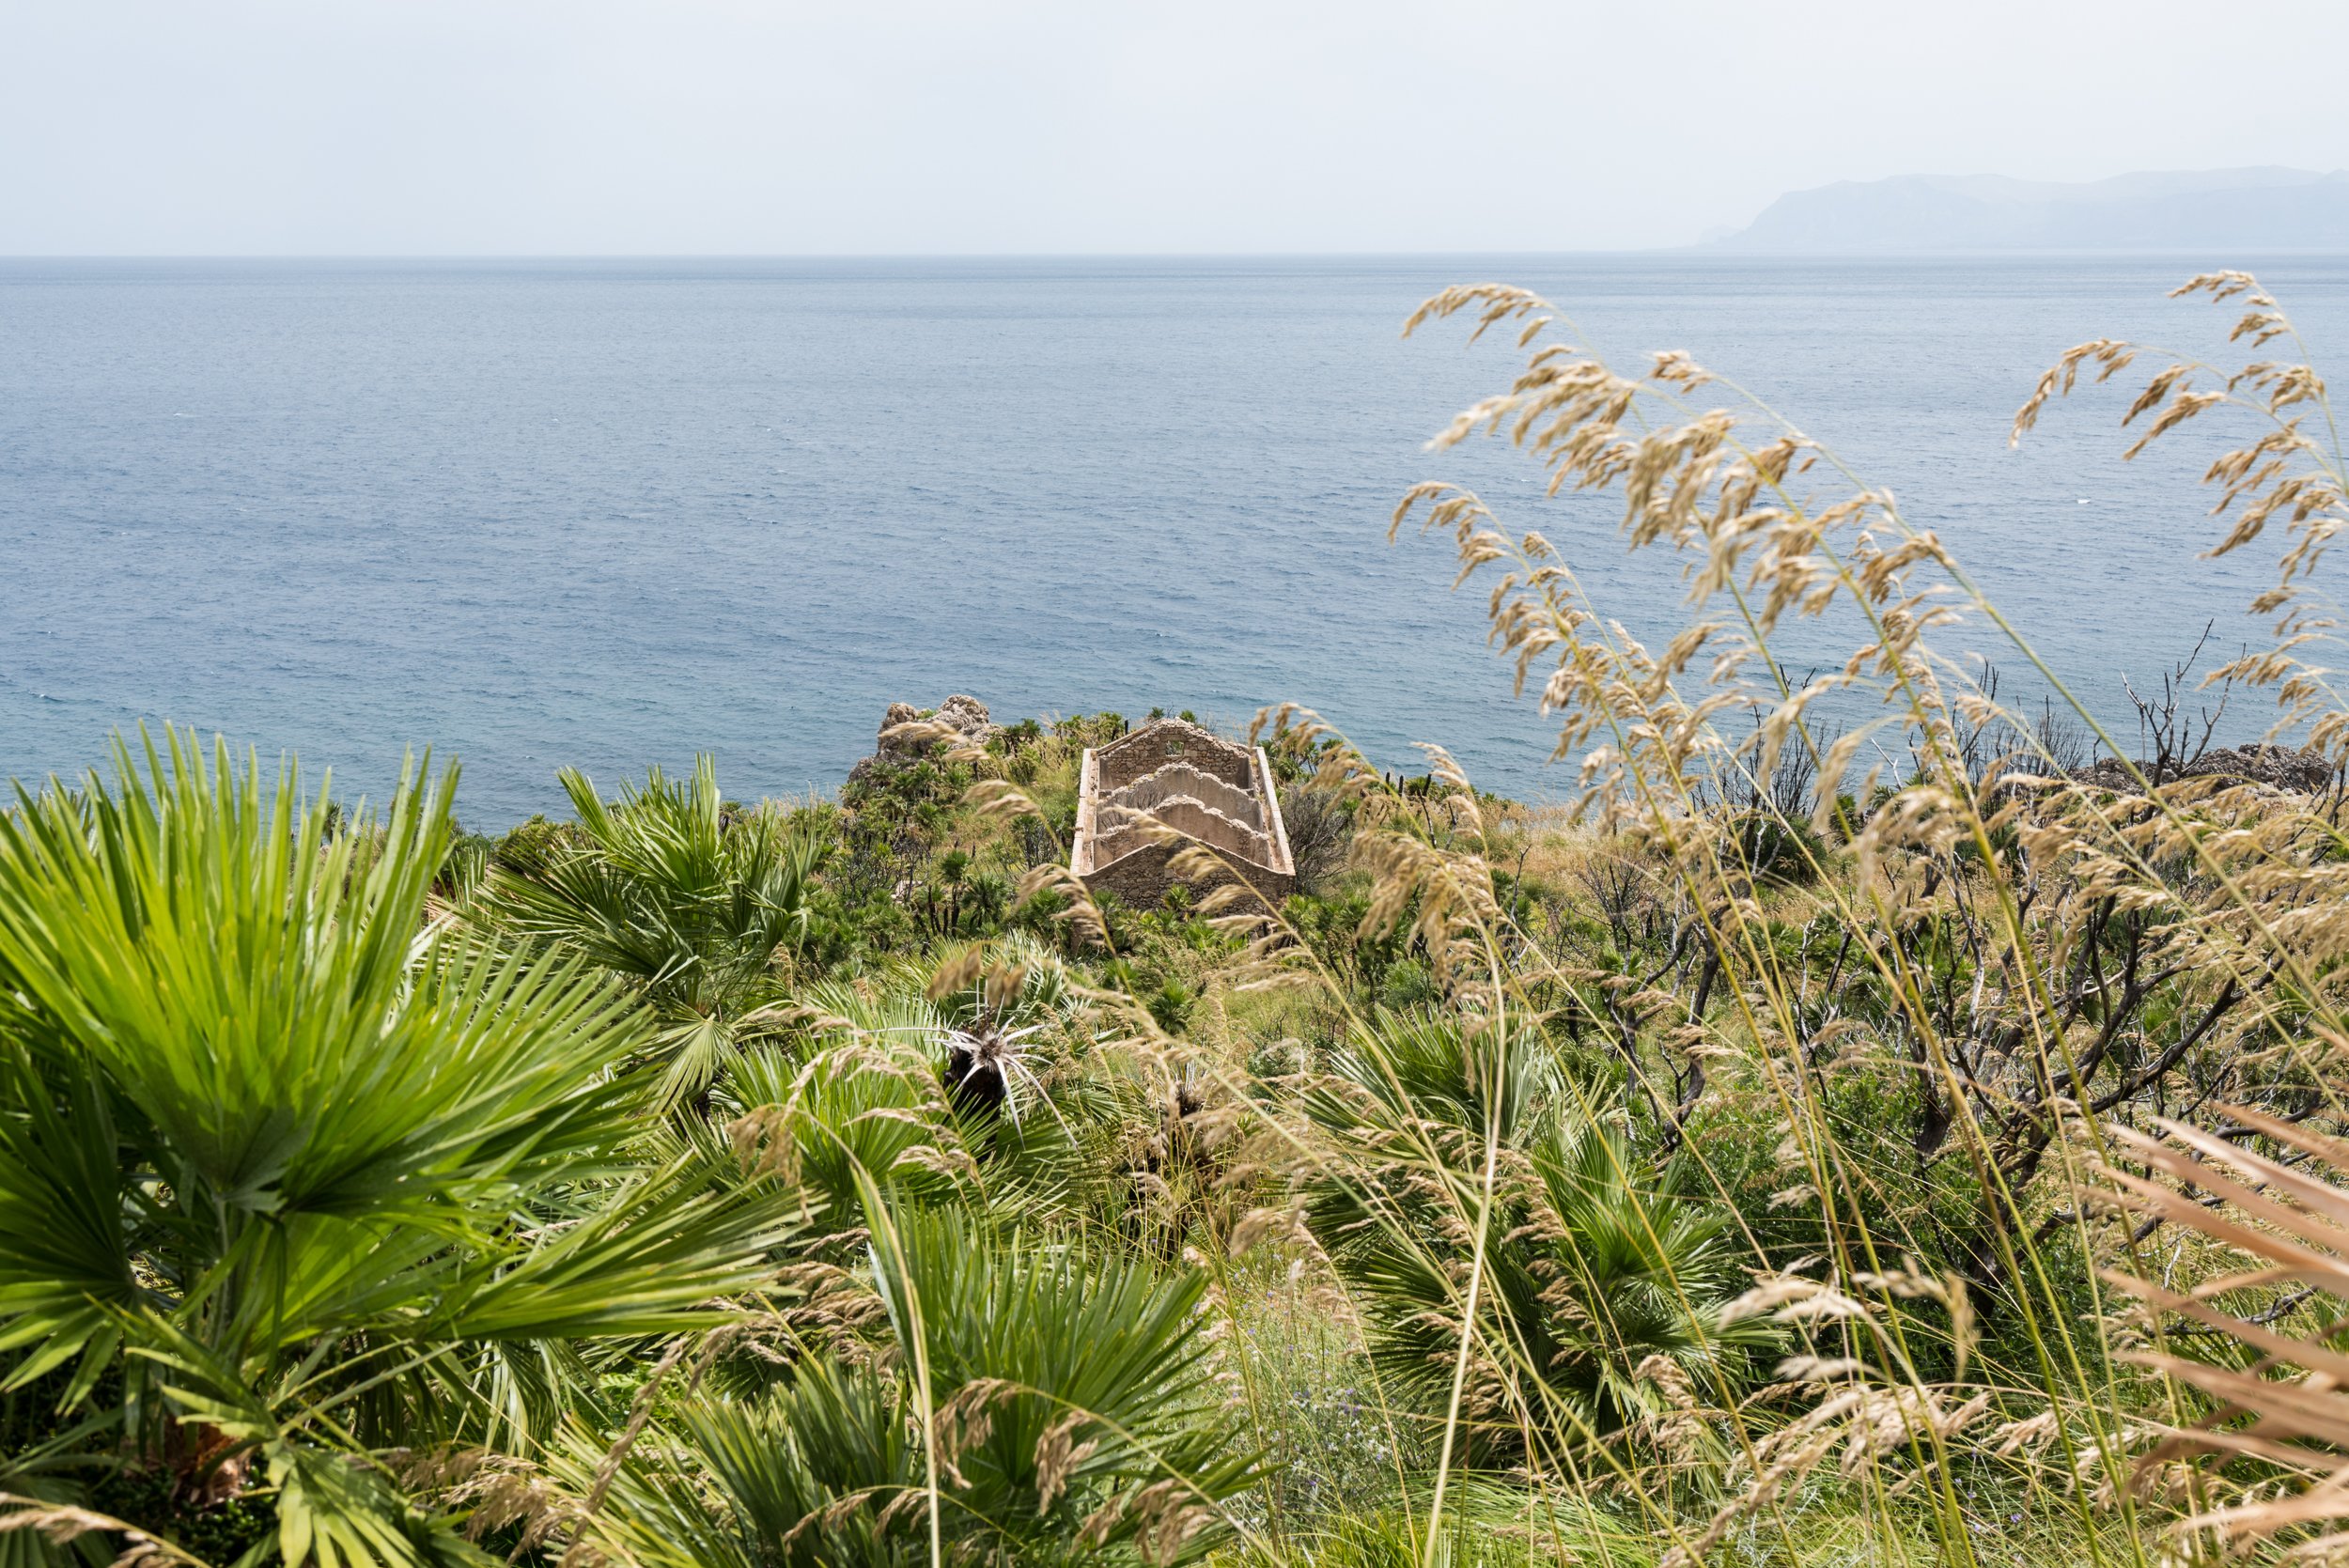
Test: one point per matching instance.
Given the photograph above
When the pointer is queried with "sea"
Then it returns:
(611, 514)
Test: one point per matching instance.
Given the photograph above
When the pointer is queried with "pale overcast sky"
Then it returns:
(589, 126)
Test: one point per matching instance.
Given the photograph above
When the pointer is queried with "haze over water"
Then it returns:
(607, 513)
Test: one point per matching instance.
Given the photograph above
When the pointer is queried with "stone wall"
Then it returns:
(1179, 780)
(1116, 822)
(1173, 775)
(1144, 750)
(1140, 880)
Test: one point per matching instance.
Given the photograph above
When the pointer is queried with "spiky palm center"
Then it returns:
(985, 1060)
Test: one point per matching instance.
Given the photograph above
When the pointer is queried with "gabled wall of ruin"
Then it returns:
(1144, 750)
(1146, 795)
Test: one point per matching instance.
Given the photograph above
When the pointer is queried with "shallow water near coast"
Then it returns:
(609, 513)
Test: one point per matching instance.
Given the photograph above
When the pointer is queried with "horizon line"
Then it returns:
(1698, 248)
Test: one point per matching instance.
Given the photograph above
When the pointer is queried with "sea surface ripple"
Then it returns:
(607, 513)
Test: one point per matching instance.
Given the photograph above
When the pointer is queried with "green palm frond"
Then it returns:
(824, 1471)
(874, 1109)
(956, 1068)
(1595, 1262)
(1076, 1413)
(283, 1159)
(1099, 1341)
(685, 903)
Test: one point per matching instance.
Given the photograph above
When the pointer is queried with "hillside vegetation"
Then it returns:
(1865, 1127)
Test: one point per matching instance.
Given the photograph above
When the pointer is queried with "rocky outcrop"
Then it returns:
(964, 716)
(2284, 767)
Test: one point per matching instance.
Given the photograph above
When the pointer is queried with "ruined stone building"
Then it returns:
(1179, 776)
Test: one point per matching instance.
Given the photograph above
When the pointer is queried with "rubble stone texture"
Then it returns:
(1148, 796)
(2281, 768)
(964, 714)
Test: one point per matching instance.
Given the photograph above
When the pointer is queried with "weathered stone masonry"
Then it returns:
(1179, 776)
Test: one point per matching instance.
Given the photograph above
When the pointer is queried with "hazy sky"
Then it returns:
(445, 126)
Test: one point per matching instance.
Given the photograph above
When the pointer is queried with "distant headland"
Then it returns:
(2240, 211)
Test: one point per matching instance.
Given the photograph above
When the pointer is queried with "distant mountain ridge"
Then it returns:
(2233, 211)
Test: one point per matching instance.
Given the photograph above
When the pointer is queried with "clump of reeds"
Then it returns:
(2023, 965)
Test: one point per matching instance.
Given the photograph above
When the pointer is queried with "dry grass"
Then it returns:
(2046, 964)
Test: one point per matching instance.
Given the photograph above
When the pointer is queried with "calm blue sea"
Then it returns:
(610, 513)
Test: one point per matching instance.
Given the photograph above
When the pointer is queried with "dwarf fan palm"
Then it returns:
(1071, 1410)
(932, 1081)
(1592, 1266)
(687, 903)
(287, 1176)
